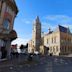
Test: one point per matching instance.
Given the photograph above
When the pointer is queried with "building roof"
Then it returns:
(60, 29)
(63, 29)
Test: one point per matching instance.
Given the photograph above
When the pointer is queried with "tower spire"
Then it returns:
(36, 34)
(37, 20)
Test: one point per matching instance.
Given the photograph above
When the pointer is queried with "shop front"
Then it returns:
(5, 43)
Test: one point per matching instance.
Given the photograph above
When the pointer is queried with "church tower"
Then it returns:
(36, 35)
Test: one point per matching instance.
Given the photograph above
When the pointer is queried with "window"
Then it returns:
(2, 43)
(71, 40)
(12, 0)
(50, 49)
(1, 3)
(47, 41)
(6, 24)
(9, 10)
(52, 40)
(56, 48)
(64, 48)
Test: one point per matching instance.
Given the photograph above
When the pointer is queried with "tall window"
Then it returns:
(12, 0)
(52, 40)
(56, 48)
(47, 41)
(71, 40)
(1, 43)
(9, 10)
(50, 49)
(6, 24)
(1, 3)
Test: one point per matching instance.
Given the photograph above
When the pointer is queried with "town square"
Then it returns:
(35, 36)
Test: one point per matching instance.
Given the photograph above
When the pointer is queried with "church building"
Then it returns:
(56, 42)
(35, 43)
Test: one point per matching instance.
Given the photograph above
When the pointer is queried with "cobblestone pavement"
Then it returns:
(45, 64)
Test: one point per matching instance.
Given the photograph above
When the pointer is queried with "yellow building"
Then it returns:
(59, 41)
(8, 12)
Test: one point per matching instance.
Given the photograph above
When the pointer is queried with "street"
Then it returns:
(45, 64)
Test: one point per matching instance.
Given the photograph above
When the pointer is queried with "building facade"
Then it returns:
(59, 41)
(34, 44)
(8, 12)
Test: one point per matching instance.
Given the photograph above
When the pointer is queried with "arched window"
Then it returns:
(6, 24)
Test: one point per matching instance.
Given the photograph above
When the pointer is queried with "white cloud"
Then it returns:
(61, 19)
(26, 21)
(46, 25)
(53, 21)
(20, 41)
(58, 17)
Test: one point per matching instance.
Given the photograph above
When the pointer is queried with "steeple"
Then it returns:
(36, 36)
(37, 20)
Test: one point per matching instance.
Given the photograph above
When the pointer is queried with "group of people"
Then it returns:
(3, 52)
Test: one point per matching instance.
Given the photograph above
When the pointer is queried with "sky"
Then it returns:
(51, 13)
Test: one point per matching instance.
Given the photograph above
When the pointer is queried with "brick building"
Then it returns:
(8, 12)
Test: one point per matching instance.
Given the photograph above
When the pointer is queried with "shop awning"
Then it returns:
(13, 35)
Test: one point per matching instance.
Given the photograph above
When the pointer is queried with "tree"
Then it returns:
(26, 46)
(22, 46)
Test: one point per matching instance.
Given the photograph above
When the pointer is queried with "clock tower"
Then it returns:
(36, 35)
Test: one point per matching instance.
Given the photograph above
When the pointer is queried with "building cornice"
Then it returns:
(12, 5)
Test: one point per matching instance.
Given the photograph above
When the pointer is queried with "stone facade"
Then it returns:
(8, 12)
(34, 44)
(59, 41)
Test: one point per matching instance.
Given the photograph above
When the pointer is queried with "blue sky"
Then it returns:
(51, 13)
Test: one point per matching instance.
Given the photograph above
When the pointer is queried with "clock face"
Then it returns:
(6, 24)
